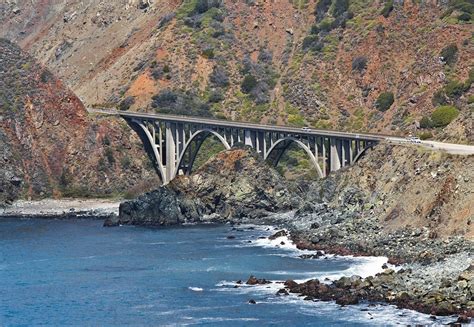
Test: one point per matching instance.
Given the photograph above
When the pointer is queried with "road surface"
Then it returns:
(459, 149)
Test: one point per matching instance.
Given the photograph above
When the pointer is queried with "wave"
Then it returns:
(195, 289)
(361, 266)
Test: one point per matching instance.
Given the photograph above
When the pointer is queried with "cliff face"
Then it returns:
(50, 147)
(352, 65)
(407, 187)
(234, 185)
(392, 189)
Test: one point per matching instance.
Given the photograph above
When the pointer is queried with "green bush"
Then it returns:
(204, 5)
(470, 80)
(454, 89)
(426, 122)
(444, 115)
(450, 54)
(216, 96)
(425, 135)
(340, 7)
(208, 53)
(384, 101)
(125, 162)
(470, 99)
(465, 17)
(248, 83)
(387, 8)
(359, 63)
(109, 154)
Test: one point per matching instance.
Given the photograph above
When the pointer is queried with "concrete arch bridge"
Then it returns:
(174, 141)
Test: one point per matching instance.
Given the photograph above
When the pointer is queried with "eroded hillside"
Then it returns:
(50, 147)
(391, 67)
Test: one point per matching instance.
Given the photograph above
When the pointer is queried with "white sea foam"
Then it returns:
(382, 315)
(195, 289)
(362, 266)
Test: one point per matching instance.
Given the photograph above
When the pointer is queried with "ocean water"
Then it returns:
(61, 273)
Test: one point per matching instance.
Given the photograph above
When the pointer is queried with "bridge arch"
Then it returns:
(362, 152)
(146, 135)
(286, 142)
(198, 139)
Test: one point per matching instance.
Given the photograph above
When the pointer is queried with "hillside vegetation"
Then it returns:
(344, 64)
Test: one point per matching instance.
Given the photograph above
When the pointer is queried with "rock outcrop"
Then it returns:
(404, 288)
(49, 146)
(236, 184)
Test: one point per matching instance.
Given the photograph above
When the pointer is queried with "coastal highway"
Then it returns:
(459, 149)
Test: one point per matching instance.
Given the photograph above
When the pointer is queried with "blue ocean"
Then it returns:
(63, 273)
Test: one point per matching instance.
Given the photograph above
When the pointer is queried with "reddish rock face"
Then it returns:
(126, 50)
(51, 147)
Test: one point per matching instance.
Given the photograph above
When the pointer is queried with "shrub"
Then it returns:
(180, 103)
(125, 162)
(313, 43)
(444, 115)
(216, 96)
(425, 135)
(166, 19)
(46, 76)
(340, 7)
(219, 77)
(454, 89)
(157, 73)
(384, 101)
(126, 103)
(106, 140)
(450, 54)
(325, 25)
(359, 63)
(204, 5)
(109, 154)
(248, 83)
(439, 98)
(322, 8)
(387, 8)
(164, 99)
(470, 80)
(465, 17)
(208, 53)
(426, 122)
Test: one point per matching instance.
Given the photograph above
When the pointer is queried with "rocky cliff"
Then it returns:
(234, 185)
(50, 147)
(380, 66)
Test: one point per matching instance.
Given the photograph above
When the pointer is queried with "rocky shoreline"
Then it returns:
(438, 288)
(64, 209)
(357, 212)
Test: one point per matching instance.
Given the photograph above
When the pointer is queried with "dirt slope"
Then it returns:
(49, 144)
(319, 63)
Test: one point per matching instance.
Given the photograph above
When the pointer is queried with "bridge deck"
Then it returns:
(234, 124)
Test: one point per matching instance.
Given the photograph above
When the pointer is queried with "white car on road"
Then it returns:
(413, 139)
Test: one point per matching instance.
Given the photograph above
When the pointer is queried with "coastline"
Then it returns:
(377, 279)
(62, 209)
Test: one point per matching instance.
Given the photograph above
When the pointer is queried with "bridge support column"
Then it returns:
(346, 152)
(170, 153)
(249, 138)
(335, 154)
